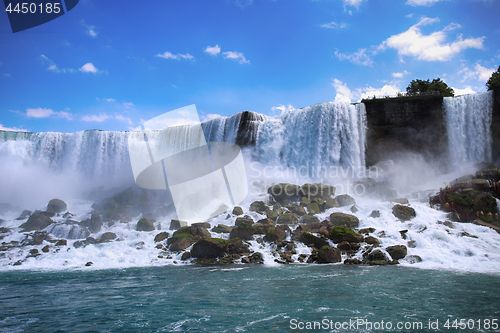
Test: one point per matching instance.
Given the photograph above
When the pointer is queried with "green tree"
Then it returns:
(421, 86)
(494, 79)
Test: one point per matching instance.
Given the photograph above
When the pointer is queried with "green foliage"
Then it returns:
(182, 233)
(221, 241)
(494, 79)
(421, 86)
(460, 199)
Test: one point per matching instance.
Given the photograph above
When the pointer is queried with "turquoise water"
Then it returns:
(241, 298)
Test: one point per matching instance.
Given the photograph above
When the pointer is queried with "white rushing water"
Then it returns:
(40, 166)
(468, 121)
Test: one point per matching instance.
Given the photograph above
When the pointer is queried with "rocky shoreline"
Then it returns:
(288, 219)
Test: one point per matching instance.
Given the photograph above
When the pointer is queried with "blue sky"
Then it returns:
(111, 65)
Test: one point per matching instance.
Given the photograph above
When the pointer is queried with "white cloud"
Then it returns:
(90, 29)
(479, 73)
(421, 2)
(212, 50)
(124, 119)
(283, 108)
(96, 118)
(400, 75)
(386, 90)
(211, 116)
(53, 67)
(334, 25)
(344, 94)
(11, 129)
(45, 113)
(235, 56)
(466, 90)
(360, 57)
(110, 100)
(128, 105)
(88, 68)
(353, 3)
(430, 47)
(168, 55)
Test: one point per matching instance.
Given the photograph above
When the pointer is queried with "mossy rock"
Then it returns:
(313, 209)
(288, 218)
(344, 220)
(308, 239)
(258, 206)
(237, 211)
(328, 255)
(307, 219)
(340, 234)
(272, 214)
(331, 203)
(404, 213)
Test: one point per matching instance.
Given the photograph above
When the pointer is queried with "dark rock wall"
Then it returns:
(247, 130)
(413, 124)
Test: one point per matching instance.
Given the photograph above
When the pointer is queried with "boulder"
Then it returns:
(328, 254)
(372, 241)
(375, 214)
(222, 228)
(36, 238)
(62, 242)
(331, 203)
(309, 239)
(272, 214)
(353, 261)
(312, 191)
(46, 249)
(202, 224)
(94, 224)
(299, 210)
(36, 222)
(366, 231)
(401, 201)
(313, 209)
(106, 237)
(345, 200)
(180, 245)
(57, 206)
(186, 255)
(340, 234)
(288, 218)
(304, 201)
(240, 220)
(284, 192)
(413, 259)
(404, 213)
(397, 251)
(275, 235)
(237, 247)
(354, 209)
(243, 231)
(376, 256)
(344, 246)
(311, 227)
(198, 231)
(256, 258)
(25, 214)
(237, 210)
(344, 220)
(161, 236)
(145, 224)
(258, 206)
(209, 248)
(177, 224)
(307, 219)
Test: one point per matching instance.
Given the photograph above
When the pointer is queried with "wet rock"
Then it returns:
(466, 234)
(313, 209)
(272, 214)
(403, 234)
(331, 203)
(94, 224)
(180, 245)
(237, 210)
(89, 263)
(376, 255)
(209, 248)
(186, 255)
(243, 231)
(288, 218)
(78, 244)
(284, 192)
(258, 206)
(36, 222)
(34, 251)
(46, 249)
(449, 224)
(17, 263)
(274, 235)
(222, 228)
(354, 209)
(340, 234)
(245, 260)
(304, 201)
(57, 206)
(397, 251)
(344, 246)
(145, 224)
(298, 210)
(256, 258)
(401, 201)
(413, 259)
(205, 225)
(25, 214)
(62, 242)
(344, 220)
(106, 237)
(308, 219)
(404, 213)
(240, 220)
(237, 246)
(198, 231)
(36, 238)
(375, 214)
(328, 254)
(309, 239)
(312, 191)
(352, 261)
(366, 231)
(161, 236)
(345, 200)
(372, 241)
(177, 224)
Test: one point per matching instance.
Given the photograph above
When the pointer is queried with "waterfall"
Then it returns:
(468, 120)
(319, 136)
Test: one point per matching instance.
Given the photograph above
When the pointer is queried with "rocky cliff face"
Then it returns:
(495, 125)
(396, 125)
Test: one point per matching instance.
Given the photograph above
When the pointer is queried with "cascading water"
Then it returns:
(468, 121)
(323, 135)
